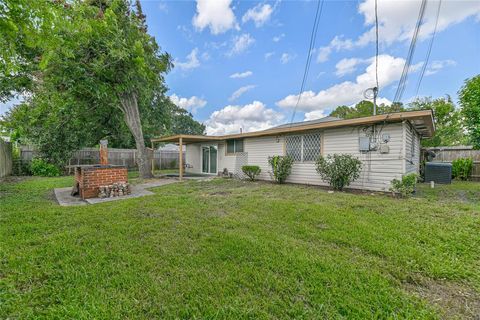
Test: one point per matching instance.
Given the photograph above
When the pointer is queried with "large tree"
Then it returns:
(469, 96)
(85, 65)
(448, 121)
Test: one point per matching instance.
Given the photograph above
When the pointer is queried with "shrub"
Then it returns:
(40, 167)
(406, 186)
(281, 167)
(462, 168)
(251, 171)
(339, 170)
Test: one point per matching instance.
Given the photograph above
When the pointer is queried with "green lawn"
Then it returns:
(231, 249)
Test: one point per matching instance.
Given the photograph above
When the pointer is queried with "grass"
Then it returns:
(233, 249)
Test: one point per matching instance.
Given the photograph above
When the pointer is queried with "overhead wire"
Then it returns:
(313, 36)
(429, 51)
(411, 51)
(408, 61)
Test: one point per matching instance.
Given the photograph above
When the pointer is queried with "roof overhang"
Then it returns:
(421, 120)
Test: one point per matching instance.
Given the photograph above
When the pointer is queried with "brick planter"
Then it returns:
(88, 179)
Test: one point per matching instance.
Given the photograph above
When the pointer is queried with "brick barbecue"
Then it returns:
(90, 179)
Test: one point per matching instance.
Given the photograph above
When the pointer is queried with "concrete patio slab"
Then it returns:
(65, 199)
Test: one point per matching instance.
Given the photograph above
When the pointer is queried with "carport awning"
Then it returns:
(187, 138)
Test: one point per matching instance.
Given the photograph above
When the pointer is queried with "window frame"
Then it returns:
(235, 151)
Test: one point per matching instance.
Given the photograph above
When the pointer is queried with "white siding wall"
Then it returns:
(412, 143)
(193, 157)
(224, 160)
(377, 171)
(259, 149)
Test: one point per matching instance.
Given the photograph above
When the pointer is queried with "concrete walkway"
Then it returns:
(139, 190)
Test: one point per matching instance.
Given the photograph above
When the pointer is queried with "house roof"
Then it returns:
(421, 120)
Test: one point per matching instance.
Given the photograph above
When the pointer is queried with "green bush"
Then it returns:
(251, 171)
(406, 186)
(281, 167)
(40, 167)
(462, 168)
(339, 170)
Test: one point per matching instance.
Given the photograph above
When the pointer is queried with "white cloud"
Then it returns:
(438, 65)
(239, 75)
(313, 115)
(278, 38)
(162, 6)
(347, 66)
(286, 58)
(268, 55)
(240, 91)
(259, 14)
(337, 43)
(349, 92)
(397, 21)
(240, 44)
(251, 117)
(191, 104)
(217, 15)
(191, 62)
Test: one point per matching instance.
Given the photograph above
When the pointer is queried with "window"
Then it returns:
(234, 145)
(304, 147)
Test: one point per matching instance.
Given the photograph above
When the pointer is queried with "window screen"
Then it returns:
(303, 147)
(238, 145)
(230, 146)
(234, 145)
(311, 146)
(293, 146)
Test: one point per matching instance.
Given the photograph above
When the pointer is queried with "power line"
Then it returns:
(424, 67)
(313, 36)
(411, 50)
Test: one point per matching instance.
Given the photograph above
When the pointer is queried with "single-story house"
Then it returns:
(388, 146)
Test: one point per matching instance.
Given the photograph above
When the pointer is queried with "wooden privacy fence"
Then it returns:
(448, 154)
(162, 159)
(6, 159)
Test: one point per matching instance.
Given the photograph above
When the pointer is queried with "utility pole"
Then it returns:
(375, 92)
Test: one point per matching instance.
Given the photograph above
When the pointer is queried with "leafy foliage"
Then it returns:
(364, 109)
(77, 63)
(462, 168)
(469, 97)
(448, 121)
(40, 167)
(281, 167)
(406, 186)
(339, 170)
(251, 171)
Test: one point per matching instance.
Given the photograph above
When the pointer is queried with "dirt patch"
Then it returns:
(220, 193)
(454, 300)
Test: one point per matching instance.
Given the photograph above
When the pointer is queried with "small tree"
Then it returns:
(251, 171)
(406, 186)
(281, 167)
(339, 170)
(462, 168)
(469, 97)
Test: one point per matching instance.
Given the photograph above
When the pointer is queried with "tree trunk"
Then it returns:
(129, 107)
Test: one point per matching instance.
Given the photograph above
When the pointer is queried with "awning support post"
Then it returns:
(180, 159)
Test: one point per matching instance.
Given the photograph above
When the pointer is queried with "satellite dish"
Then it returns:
(369, 93)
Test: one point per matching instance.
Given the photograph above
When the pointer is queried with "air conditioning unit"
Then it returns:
(438, 172)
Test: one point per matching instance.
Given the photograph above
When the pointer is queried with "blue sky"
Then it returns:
(265, 44)
(239, 64)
